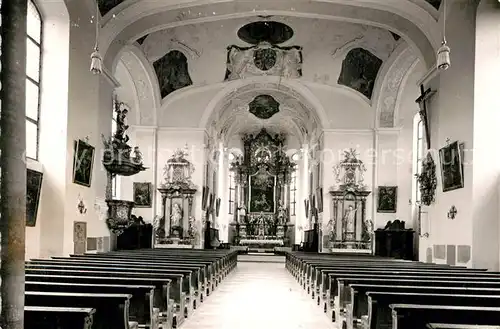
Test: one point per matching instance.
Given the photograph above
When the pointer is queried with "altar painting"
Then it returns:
(262, 186)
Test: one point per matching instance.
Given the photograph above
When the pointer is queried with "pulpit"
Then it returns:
(348, 228)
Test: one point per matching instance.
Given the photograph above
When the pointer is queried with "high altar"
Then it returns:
(176, 226)
(348, 228)
(262, 177)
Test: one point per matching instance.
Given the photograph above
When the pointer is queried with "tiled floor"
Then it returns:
(258, 296)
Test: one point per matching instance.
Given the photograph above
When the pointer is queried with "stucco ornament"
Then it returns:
(264, 59)
(393, 82)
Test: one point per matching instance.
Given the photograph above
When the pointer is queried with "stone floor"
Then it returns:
(260, 295)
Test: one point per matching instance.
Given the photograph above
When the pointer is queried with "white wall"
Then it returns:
(75, 105)
(486, 166)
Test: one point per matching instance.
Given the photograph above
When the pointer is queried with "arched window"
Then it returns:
(418, 153)
(293, 193)
(33, 68)
(232, 192)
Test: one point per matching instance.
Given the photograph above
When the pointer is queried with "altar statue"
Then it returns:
(281, 214)
(349, 219)
(176, 217)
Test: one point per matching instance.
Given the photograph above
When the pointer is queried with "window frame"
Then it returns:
(232, 192)
(419, 155)
(293, 193)
(38, 83)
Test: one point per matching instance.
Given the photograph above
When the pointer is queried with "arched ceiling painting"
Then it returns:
(106, 5)
(359, 71)
(172, 72)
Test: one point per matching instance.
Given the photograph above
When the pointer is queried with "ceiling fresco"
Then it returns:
(105, 6)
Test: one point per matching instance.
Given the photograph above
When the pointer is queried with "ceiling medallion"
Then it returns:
(265, 31)
(264, 58)
(264, 106)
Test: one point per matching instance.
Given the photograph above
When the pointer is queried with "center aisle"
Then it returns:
(259, 296)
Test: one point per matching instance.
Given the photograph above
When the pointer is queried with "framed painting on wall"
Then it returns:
(83, 162)
(142, 195)
(452, 168)
(387, 199)
(217, 206)
(33, 189)
(204, 197)
(319, 199)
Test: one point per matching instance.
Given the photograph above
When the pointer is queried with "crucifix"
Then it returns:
(425, 95)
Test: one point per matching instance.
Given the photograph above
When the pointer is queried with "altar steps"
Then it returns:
(261, 258)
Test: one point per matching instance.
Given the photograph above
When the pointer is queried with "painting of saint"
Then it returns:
(387, 199)
(142, 195)
(452, 166)
(33, 188)
(83, 163)
(262, 193)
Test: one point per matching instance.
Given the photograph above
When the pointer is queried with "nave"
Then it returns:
(259, 294)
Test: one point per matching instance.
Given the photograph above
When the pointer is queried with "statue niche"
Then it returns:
(348, 227)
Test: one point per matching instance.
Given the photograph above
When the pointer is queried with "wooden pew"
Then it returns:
(225, 260)
(329, 284)
(359, 299)
(202, 268)
(458, 326)
(188, 287)
(320, 273)
(46, 317)
(343, 297)
(111, 309)
(224, 263)
(380, 315)
(339, 280)
(322, 287)
(161, 299)
(214, 272)
(412, 316)
(141, 306)
(176, 284)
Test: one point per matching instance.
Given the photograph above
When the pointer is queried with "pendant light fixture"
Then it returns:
(96, 58)
(443, 61)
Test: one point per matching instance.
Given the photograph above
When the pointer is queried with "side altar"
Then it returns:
(262, 175)
(348, 228)
(176, 226)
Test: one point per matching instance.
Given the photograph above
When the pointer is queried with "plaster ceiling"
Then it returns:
(129, 20)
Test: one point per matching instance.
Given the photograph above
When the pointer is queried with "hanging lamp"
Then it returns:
(443, 61)
(96, 58)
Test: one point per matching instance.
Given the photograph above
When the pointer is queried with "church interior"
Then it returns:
(183, 164)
